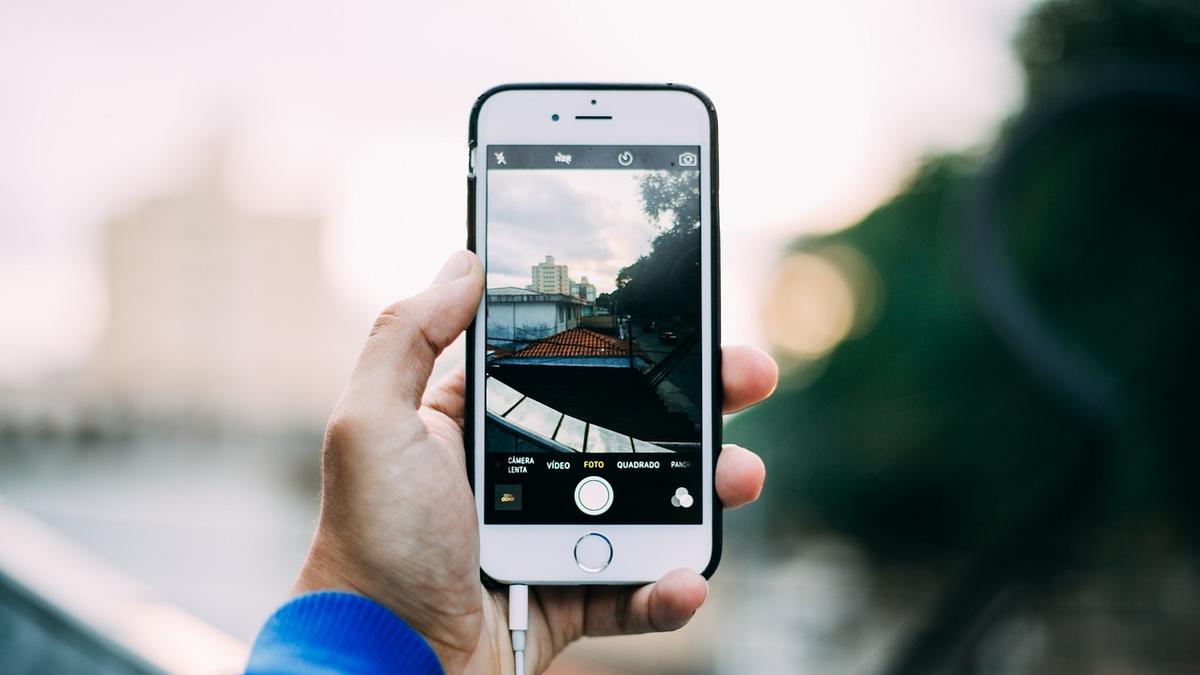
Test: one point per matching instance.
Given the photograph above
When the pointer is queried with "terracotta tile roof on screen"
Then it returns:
(577, 342)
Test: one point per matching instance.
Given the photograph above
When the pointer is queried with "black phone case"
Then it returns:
(718, 392)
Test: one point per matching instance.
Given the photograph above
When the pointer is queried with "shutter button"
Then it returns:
(593, 495)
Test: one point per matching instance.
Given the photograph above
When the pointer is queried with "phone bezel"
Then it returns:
(667, 114)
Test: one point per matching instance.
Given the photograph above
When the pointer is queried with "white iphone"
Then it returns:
(593, 365)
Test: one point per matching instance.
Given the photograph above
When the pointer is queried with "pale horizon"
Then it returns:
(825, 110)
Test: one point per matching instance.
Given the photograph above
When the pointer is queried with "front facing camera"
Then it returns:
(554, 117)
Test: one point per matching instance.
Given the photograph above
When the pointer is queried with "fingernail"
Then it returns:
(456, 267)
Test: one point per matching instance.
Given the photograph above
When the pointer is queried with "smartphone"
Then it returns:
(593, 365)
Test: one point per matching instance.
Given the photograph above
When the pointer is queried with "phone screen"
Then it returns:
(594, 369)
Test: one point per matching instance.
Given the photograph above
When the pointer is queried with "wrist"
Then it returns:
(325, 570)
(334, 631)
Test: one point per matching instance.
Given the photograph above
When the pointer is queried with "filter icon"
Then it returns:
(681, 498)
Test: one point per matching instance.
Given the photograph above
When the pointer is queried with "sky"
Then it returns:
(358, 111)
(590, 221)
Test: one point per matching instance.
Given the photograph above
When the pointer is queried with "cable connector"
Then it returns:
(518, 623)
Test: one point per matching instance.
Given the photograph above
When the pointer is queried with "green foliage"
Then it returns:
(929, 431)
(1063, 37)
(916, 433)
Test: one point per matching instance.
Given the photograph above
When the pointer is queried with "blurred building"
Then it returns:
(216, 311)
(584, 290)
(550, 278)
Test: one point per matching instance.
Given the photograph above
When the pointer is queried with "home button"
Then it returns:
(593, 552)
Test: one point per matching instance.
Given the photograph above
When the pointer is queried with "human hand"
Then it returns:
(398, 522)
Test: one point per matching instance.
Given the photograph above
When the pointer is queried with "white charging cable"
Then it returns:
(518, 623)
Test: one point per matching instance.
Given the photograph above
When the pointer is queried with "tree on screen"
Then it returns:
(664, 285)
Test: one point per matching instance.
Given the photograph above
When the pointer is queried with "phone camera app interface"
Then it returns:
(593, 335)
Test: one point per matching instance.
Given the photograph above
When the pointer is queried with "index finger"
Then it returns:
(749, 376)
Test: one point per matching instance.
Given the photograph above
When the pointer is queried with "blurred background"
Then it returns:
(962, 228)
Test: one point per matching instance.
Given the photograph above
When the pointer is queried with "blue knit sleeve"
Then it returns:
(333, 632)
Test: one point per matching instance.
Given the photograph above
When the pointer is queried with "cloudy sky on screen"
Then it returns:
(590, 221)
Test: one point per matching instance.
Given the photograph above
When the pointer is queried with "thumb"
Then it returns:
(408, 336)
